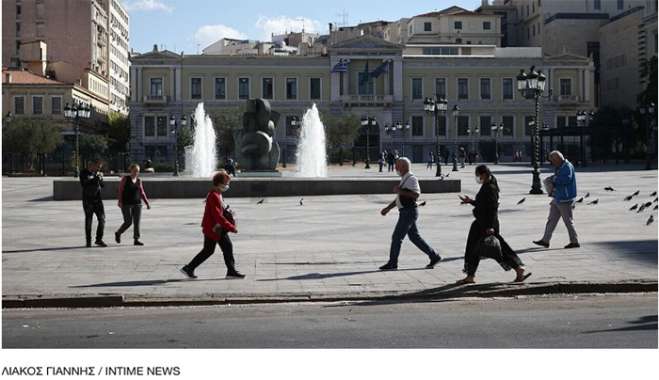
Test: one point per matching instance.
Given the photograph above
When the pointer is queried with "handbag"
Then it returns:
(228, 214)
(490, 247)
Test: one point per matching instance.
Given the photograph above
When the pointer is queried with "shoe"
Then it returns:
(187, 272)
(433, 261)
(89, 244)
(137, 242)
(117, 237)
(572, 245)
(235, 274)
(541, 243)
(100, 243)
(389, 266)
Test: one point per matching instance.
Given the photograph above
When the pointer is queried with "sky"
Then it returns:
(191, 25)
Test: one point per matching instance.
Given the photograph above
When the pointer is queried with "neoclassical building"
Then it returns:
(371, 78)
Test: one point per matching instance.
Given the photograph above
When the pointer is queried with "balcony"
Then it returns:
(155, 99)
(566, 99)
(367, 100)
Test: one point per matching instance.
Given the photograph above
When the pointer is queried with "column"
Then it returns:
(178, 84)
(397, 68)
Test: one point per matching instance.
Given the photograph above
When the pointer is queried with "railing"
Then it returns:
(566, 99)
(155, 99)
(367, 100)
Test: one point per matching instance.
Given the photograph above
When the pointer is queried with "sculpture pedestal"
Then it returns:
(259, 174)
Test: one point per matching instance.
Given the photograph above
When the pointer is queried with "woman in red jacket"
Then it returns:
(216, 228)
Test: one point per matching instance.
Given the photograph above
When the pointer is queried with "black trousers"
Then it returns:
(209, 248)
(132, 215)
(90, 208)
(508, 260)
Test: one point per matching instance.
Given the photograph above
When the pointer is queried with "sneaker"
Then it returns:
(235, 274)
(433, 261)
(100, 243)
(137, 242)
(572, 245)
(389, 266)
(187, 272)
(541, 243)
(117, 237)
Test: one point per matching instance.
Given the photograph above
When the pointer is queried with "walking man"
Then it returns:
(564, 192)
(408, 191)
(91, 180)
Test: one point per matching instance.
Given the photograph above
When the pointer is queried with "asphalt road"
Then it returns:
(585, 321)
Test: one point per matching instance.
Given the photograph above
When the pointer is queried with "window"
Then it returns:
(291, 130)
(417, 88)
(621, 4)
(507, 88)
(485, 89)
(487, 25)
(291, 88)
(508, 125)
(18, 29)
(566, 86)
(220, 88)
(561, 121)
(427, 27)
(314, 88)
(441, 125)
(155, 87)
(463, 125)
(463, 88)
(19, 105)
(486, 125)
(266, 88)
(243, 88)
(56, 105)
(457, 25)
(572, 121)
(366, 84)
(149, 126)
(440, 88)
(41, 29)
(528, 125)
(41, 10)
(597, 4)
(195, 88)
(161, 126)
(37, 105)
(18, 10)
(440, 51)
(417, 125)
(533, 29)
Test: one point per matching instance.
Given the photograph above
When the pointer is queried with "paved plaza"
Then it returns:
(329, 247)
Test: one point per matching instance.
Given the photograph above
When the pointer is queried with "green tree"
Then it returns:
(340, 132)
(226, 122)
(184, 138)
(32, 138)
(118, 132)
(92, 147)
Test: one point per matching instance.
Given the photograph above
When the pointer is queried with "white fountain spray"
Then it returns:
(311, 155)
(204, 156)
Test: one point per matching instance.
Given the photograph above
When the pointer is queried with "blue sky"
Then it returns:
(185, 25)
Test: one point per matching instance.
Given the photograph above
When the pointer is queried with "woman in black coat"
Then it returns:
(485, 210)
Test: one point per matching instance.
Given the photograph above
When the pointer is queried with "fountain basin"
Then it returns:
(186, 187)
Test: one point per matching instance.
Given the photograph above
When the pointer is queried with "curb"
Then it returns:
(440, 293)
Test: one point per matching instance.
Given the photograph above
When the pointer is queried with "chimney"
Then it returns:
(8, 78)
(155, 48)
(331, 27)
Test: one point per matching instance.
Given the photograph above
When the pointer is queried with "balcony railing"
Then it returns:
(156, 99)
(566, 99)
(367, 100)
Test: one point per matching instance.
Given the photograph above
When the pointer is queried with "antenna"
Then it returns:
(343, 16)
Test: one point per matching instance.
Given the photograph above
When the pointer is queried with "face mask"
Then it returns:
(224, 188)
(478, 180)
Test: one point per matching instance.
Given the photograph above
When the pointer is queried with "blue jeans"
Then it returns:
(407, 226)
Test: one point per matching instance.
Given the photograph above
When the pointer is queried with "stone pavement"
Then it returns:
(330, 247)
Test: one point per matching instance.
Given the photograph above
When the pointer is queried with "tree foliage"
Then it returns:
(31, 136)
(92, 147)
(340, 132)
(226, 122)
(118, 132)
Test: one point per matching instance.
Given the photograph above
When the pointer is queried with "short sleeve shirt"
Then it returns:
(408, 182)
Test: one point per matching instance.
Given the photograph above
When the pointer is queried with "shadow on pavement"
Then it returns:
(42, 199)
(648, 322)
(142, 282)
(320, 276)
(44, 249)
(641, 250)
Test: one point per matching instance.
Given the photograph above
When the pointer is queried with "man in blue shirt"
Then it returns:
(564, 192)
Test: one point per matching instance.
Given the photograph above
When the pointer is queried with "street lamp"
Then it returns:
(367, 122)
(174, 125)
(456, 113)
(647, 115)
(531, 85)
(496, 128)
(474, 131)
(397, 127)
(75, 113)
(436, 107)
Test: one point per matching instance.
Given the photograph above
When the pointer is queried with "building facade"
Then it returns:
(368, 77)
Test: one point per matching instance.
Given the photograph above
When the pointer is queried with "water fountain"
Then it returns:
(204, 154)
(311, 153)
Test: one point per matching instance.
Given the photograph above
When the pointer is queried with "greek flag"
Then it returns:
(341, 67)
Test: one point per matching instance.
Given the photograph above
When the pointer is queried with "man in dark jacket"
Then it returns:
(91, 180)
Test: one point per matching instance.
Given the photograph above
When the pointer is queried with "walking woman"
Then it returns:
(486, 205)
(216, 225)
(131, 194)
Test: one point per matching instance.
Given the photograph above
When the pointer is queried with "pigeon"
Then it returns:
(647, 204)
(260, 202)
(521, 201)
(633, 207)
(640, 209)
(422, 203)
(596, 201)
(637, 192)
(580, 200)
(587, 195)
(629, 197)
(654, 194)
(655, 207)
(448, 174)
(655, 200)
(609, 188)
(650, 220)
(301, 201)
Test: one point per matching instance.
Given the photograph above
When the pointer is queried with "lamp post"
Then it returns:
(367, 122)
(474, 131)
(584, 119)
(647, 114)
(75, 113)
(531, 85)
(6, 120)
(496, 128)
(397, 127)
(456, 113)
(295, 123)
(173, 123)
(436, 107)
